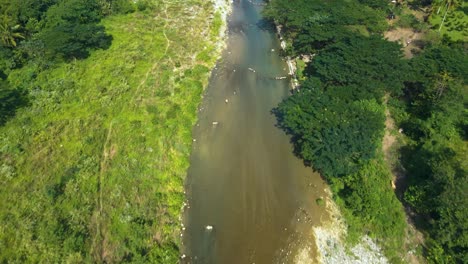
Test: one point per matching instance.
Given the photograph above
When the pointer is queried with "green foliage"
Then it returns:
(337, 136)
(217, 23)
(313, 38)
(315, 24)
(370, 64)
(300, 64)
(9, 34)
(92, 170)
(7, 61)
(371, 207)
(380, 4)
(125, 6)
(451, 227)
(26, 10)
(74, 40)
(450, 20)
(340, 103)
(46, 31)
(435, 103)
(319, 202)
(73, 12)
(71, 29)
(336, 120)
(437, 189)
(142, 5)
(436, 86)
(407, 21)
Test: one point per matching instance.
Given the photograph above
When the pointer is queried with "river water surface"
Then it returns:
(250, 200)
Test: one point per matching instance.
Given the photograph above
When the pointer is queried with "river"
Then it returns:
(250, 200)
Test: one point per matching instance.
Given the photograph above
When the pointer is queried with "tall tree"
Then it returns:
(71, 29)
(449, 6)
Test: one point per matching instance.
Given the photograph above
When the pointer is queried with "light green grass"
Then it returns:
(93, 170)
(455, 25)
(301, 65)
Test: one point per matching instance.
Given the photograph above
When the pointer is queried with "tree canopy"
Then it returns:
(45, 32)
(369, 64)
(340, 101)
(435, 100)
(336, 120)
(332, 135)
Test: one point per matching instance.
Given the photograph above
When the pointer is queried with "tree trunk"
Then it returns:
(445, 15)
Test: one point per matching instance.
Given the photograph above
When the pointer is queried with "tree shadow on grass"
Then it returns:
(10, 101)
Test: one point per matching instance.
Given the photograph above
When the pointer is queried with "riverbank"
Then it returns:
(292, 67)
(103, 150)
(221, 11)
(224, 8)
(330, 240)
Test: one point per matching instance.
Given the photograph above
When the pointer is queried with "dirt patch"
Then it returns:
(113, 151)
(408, 38)
(389, 140)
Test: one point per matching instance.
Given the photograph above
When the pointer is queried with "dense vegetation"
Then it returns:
(336, 121)
(45, 31)
(105, 95)
(435, 122)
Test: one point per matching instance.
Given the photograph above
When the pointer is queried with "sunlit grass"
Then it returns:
(94, 168)
(455, 25)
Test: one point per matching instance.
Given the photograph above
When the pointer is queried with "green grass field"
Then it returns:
(93, 169)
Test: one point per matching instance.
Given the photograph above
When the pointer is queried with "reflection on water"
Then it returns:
(244, 181)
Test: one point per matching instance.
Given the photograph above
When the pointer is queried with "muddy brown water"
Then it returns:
(250, 200)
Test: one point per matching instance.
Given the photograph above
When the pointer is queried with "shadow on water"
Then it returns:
(294, 139)
(241, 27)
(266, 25)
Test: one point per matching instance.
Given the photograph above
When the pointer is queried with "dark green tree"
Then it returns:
(372, 65)
(72, 29)
(333, 136)
(381, 4)
(435, 161)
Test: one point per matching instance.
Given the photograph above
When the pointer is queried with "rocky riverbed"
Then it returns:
(329, 238)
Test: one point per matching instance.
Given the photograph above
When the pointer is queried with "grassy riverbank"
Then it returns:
(93, 168)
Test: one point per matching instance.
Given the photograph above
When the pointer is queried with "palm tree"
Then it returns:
(8, 34)
(449, 5)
